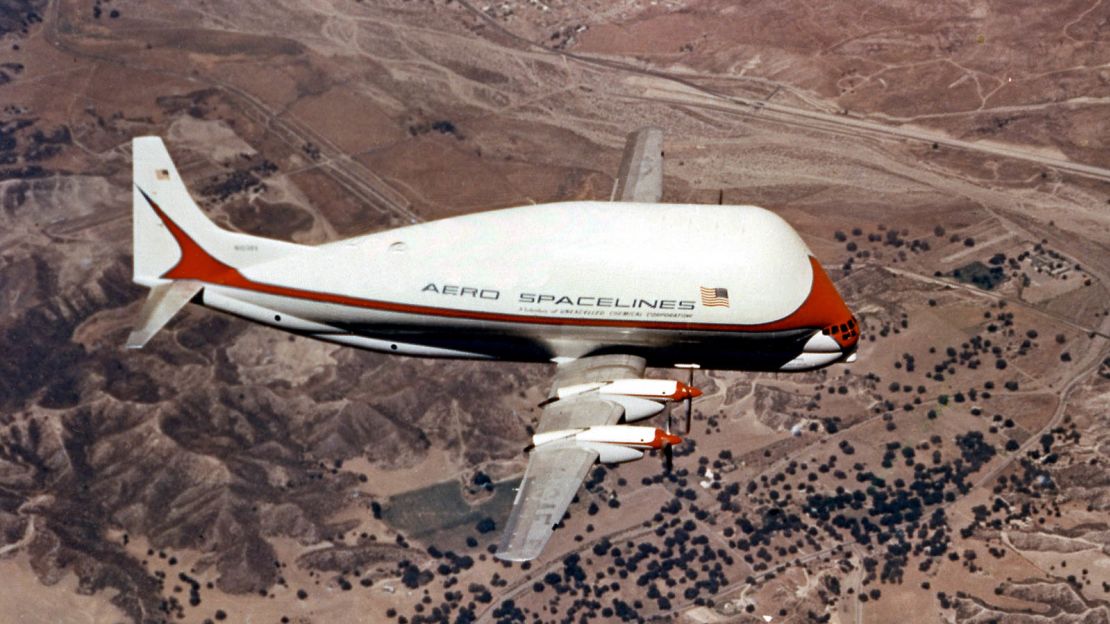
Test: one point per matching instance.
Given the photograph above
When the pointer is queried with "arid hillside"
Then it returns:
(947, 162)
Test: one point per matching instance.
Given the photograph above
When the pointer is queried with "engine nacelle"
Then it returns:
(613, 443)
(635, 408)
(611, 453)
(653, 389)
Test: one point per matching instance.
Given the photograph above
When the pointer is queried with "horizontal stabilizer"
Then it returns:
(641, 174)
(163, 302)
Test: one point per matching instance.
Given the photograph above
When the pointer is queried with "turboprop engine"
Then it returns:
(640, 398)
(613, 443)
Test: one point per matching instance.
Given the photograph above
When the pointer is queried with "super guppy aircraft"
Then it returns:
(601, 289)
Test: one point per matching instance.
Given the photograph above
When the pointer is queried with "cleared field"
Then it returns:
(439, 515)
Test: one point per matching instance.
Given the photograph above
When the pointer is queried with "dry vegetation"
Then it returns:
(946, 162)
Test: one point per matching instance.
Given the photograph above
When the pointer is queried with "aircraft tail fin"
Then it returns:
(174, 241)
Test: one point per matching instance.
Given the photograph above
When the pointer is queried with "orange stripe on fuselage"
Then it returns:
(821, 308)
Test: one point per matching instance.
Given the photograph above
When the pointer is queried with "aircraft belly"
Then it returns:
(664, 348)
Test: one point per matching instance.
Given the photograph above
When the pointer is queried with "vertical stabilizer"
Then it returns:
(165, 218)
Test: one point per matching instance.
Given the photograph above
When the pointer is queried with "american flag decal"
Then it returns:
(714, 297)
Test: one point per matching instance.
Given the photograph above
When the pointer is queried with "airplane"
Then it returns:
(602, 289)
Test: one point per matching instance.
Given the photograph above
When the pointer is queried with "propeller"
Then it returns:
(687, 391)
(668, 450)
(689, 402)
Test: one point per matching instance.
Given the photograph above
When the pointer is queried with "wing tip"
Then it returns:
(640, 177)
(513, 556)
(138, 339)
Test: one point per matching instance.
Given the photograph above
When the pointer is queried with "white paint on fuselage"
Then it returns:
(605, 255)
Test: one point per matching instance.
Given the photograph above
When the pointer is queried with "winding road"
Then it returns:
(690, 93)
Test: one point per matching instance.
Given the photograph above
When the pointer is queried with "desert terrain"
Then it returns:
(949, 163)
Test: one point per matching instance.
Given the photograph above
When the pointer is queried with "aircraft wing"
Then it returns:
(554, 474)
(556, 470)
(641, 174)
